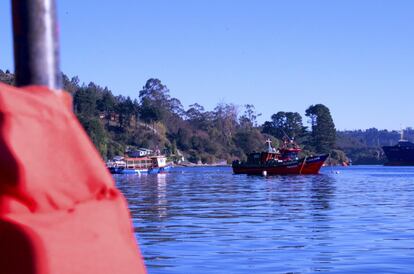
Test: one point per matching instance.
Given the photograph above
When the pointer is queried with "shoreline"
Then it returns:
(201, 165)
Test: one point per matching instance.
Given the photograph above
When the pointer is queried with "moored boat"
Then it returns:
(401, 154)
(283, 161)
(140, 165)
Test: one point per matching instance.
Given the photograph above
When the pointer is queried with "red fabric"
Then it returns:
(60, 212)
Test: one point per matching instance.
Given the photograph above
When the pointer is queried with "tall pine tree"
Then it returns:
(323, 128)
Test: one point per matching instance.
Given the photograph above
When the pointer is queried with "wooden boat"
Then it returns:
(283, 161)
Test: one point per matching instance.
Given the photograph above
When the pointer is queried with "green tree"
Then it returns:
(84, 101)
(154, 98)
(107, 103)
(323, 128)
(183, 139)
(285, 125)
(157, 104)
(70, 85)
(96, 132)
(126, 110)
(249, 118)
(149, 112)
(226, 120)
(249, 140)
(198, 117)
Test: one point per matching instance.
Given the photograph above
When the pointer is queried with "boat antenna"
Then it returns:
(36, 43)
(287, 136)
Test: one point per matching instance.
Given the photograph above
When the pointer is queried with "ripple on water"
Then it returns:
(206, 220)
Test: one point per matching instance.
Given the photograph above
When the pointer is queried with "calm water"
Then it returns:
(206, 220)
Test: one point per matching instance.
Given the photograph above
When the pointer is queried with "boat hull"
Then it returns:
(399, 155)
(309, 165)
(117, 170)
(154, 170)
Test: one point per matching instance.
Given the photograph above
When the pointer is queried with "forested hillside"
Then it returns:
(154, 119)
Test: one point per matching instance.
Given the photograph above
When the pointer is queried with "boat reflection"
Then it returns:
(222, 212)
(161, 195)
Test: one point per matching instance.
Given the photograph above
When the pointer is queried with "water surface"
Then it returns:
(207, 220)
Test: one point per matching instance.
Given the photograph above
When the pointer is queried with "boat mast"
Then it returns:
(269, 146)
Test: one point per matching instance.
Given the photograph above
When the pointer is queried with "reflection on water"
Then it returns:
(206, 220)
(161, 195)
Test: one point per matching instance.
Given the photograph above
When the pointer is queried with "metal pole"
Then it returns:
(36, 43)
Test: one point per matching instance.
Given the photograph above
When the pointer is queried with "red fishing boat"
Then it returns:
(280, 161)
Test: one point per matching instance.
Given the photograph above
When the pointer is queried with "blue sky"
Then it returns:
(356, 57)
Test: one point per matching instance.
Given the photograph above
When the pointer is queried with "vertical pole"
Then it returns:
(36, 43)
